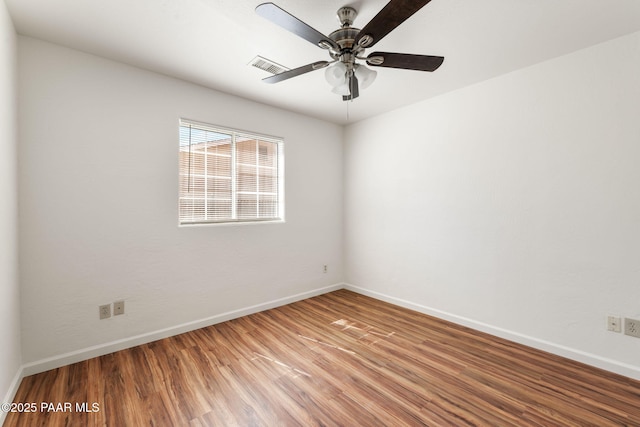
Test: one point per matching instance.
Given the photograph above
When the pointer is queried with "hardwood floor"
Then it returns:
(340, 359)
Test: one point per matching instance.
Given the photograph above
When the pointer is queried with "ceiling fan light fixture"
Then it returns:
(365, 76)
(342, 89)
(336, 75)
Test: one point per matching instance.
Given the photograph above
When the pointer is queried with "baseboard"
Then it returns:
(102, 349)
(11, 393)
(570, 353)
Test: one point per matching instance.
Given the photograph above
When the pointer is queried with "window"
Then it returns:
(229, 176)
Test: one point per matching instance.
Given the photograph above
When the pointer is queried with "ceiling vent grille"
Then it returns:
(267, 65)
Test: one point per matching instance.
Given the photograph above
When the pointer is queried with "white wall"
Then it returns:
(512, 205)
(98, 205)
(10, 358)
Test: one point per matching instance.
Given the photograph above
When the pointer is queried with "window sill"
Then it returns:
(231, 223)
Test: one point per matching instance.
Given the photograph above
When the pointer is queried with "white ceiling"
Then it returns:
(210, 42)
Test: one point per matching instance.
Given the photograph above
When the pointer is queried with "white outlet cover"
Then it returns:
(118, 308)
(614, 324)
(632, 327)
(104, 311)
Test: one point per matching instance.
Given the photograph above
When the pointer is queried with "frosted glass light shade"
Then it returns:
(342, 89)
(365, 76)
(336, 74)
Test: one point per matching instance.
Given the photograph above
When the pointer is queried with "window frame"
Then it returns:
(235, 135)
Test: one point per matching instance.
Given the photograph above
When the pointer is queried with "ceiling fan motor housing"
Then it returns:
(345, 37)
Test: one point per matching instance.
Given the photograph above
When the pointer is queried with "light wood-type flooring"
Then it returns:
(339, 359)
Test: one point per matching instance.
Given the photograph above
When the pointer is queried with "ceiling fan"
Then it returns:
(346, 46)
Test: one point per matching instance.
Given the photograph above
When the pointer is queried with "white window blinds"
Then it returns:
(228, 175)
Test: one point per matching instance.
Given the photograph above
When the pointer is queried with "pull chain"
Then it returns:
(349, 102)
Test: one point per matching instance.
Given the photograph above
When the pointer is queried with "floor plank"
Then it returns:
(334, 360)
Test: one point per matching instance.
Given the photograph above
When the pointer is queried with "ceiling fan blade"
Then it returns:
(290, 23)
(392, 15)
(295, 72)
(406, 61)
(354, 90)
(353, 86)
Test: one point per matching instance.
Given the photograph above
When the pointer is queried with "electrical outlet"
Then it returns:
(614, 324)
(105, 311)
(118, 308)
(632, 327)
(325, 268)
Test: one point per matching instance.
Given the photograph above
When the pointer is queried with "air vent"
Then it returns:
(267, 65)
